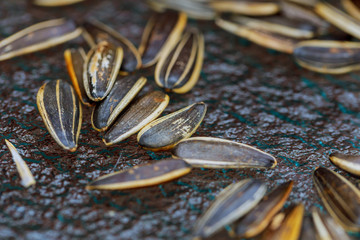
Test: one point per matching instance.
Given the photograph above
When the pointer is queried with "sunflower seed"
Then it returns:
(263, 38)
(121, 94)
(55, 3)
(327, 228)
(259, 218)
(208, 152)
(27, 179)
(74, 59)
(140, 113)
(61, 112)
(38, 37)
(161, 34)
(352, 7)
(101, 68)
(166, 132)
(309, 3)
(335, 57)
(250, 8)
(232, 203)
(349, 163)
(308, 231)
(338, 18)
(95, 32)
(286, 225)
(340, 197)
(142, 176)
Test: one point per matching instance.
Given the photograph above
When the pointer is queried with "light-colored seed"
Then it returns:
(349, 163)
(250, 8)
(55, 3)
(352, 7)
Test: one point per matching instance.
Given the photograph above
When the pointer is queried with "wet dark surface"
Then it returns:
(254, 96)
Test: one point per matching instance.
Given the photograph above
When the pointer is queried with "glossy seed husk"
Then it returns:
(352, 7)
(335, 57)
(250, 8)
(165, 132)
(101, 68)
(340, 198)
(27, 179)
(55, 3)
(61, 112)
(259, 218)
(326, 227)
(139, 113)
(74, 59)
(232, 203)
(161, 33)
(260, 37)
(38, 37)
(142, 176)
(95, 32)
(122, 93)
(349, 163)
(179, 70)
(286, 225)
(308, 231)
(209, 152)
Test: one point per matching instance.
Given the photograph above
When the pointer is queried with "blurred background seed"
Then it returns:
(250, 8)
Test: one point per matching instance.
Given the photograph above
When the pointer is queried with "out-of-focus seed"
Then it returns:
(250, 8)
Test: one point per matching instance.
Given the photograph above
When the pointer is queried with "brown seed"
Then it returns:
(308, 231)
(352, 7)
(349, 163)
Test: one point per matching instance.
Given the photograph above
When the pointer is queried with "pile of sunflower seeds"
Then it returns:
(106, 78)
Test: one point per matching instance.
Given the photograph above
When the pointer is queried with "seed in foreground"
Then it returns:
(179, 70)
(38, 37)
(232, 203)
(139, 113)
(166, 132)
(101, 68)
(259, 218)
(61, 112)
(142, 176)
(74, 59)
(209, 152)
(340, 197)
(121, 94)
(27, 179)
(349, 163)
(308, 231)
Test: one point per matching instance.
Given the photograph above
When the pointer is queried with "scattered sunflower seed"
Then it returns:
(140, 113)
(165, 132)
(74, 59)
(95, 32)
(250, 8)
(101, 68)
(55, 3)
(61, 112)
(121, 94)
(352, 7)
(335, 57)
(161, 33)
(38, 37)
(142, 176)
(349, 163)
(27, 179)
(209, 152)
(340, 197)
(259, 218)
(308, 231)
(179, 70)
(233, 202)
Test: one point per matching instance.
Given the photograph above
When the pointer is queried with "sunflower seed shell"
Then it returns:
(55, 3)
(250, 8)
(352, 7)
(349, 163)
(308, 231)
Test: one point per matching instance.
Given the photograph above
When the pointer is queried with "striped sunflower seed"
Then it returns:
(161, 33)
(286, 225)
(74, 59)
(61, 112)
(232, 203)
(262, 38)
(308, 231)
(101, 68)
(139, 113)
(121, 94)
(55, 3)
(209, 152)
(165, 132)
(38, 37)
(142, 176)
(96, 32)
(250, 8)
(326, 227)
(349, 163)
(335, 57)
(179, 70)
(259, 218)
(340, 197)
(352, 7)
(27, 179)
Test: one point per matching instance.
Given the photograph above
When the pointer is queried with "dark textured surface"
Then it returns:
(254, 96)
